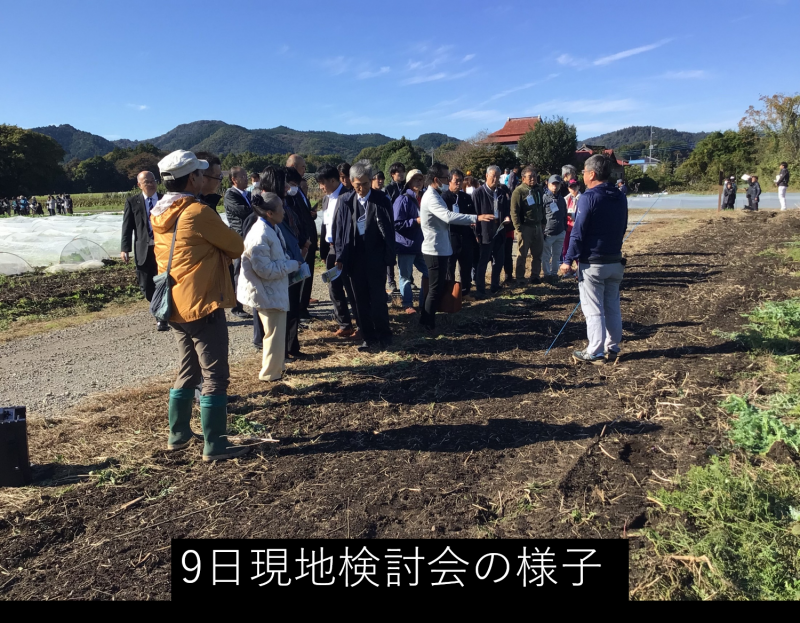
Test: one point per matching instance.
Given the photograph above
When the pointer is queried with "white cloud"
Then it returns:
(138, 106)
(693, 74)
(605, 60)
(420, 79)
(336, 65)
(562, 107)
(365, 75)
(479, 115)
(468, 57)
(566, 59)
(529, 85)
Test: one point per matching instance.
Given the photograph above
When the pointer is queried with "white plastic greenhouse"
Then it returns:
(69, 240)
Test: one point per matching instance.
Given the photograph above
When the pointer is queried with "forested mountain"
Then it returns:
(76, 143)
(222, 138)
(638, 134)
(433, 140)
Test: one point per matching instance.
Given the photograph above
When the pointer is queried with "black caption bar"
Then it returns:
(549, 568)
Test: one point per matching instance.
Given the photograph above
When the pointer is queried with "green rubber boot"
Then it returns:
(214, 416)
(180, 414)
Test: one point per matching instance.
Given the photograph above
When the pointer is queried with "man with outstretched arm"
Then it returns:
(595, 244)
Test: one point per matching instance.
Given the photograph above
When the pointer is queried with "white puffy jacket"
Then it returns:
(264, 276)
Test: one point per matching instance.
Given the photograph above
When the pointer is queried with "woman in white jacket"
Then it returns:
(264, 281)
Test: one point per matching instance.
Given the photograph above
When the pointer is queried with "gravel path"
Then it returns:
(48, 373)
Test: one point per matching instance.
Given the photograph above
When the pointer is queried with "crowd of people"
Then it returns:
(24, 206)
(444, 223)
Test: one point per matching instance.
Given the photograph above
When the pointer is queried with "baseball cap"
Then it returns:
(411, 174)
(555, 179)
(620, 182)
(180, 163)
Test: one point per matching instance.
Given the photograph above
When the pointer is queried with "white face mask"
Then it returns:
(291, 191)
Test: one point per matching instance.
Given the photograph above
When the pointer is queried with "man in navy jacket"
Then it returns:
(595, 244)
(363, 237)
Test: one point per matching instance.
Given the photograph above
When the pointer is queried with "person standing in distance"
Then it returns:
(782, 183)
(136, 225)
(237, 202)
(595, 244)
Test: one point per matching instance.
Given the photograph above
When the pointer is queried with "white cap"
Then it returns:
(180, 163)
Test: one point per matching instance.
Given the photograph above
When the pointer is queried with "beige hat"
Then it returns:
(411, 174)
(180, 163)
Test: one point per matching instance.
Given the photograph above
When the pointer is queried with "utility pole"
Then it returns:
(651, 143)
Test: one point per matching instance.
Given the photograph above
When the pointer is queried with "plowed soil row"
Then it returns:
(472, 433)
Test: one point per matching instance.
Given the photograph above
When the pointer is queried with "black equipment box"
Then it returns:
(15, 466)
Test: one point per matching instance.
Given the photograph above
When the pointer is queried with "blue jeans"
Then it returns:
(406, 264)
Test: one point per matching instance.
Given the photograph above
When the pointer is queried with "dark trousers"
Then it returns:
(293, 319)
(203, 353)
(146, 272)
(390, 276)
(508, 260)
(463, 254)
(437, 273)
(494, 251)
(368, 281)
(305, 297)
(235, 268)
(324, 245)
(340, 290)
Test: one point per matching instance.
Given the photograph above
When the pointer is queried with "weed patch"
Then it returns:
(740, 526)
(755, 429)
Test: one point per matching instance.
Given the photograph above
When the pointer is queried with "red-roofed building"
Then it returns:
(583, 153)
(512, 131)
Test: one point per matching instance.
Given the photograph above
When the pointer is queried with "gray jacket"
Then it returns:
(555, 210)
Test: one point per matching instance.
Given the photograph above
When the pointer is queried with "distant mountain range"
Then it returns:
(222, 138)
(640, 134)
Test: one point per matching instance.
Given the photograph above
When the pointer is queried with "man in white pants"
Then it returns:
(782, 183)
(596, 245)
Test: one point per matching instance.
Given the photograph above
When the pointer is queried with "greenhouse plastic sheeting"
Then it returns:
(52, 240)
(11, 264)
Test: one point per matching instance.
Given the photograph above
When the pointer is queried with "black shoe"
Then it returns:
(290, 359)
(510, 283)
(611, 356)
(535, 281)
(240, 313)
(365, 347)
(478, 296)
(162, 326)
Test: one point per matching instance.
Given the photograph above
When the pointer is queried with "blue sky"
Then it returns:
(136, 70)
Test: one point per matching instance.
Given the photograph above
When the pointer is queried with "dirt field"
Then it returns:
(471, 432)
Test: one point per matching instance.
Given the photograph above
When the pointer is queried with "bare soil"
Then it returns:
(470, 433)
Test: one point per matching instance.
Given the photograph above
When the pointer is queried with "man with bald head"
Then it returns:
(136, 225)
(298, 163)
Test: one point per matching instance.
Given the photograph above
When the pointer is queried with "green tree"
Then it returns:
(733, 153)
(549, 145)
(98, 175)
(474, 155)
(29, 162)
(394, 151)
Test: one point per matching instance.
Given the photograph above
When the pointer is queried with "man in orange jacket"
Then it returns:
(201, 290)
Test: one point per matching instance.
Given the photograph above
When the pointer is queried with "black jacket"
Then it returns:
(378, 239)
(783, 177)
(483, 200)
(236, 209)
(465, 206)
(302, 208)
(394, 190)
(134, 225)
(728, 197)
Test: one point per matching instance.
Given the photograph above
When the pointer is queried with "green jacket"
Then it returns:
(523, 213)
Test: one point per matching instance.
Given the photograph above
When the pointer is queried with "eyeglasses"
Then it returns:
(214, 177)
